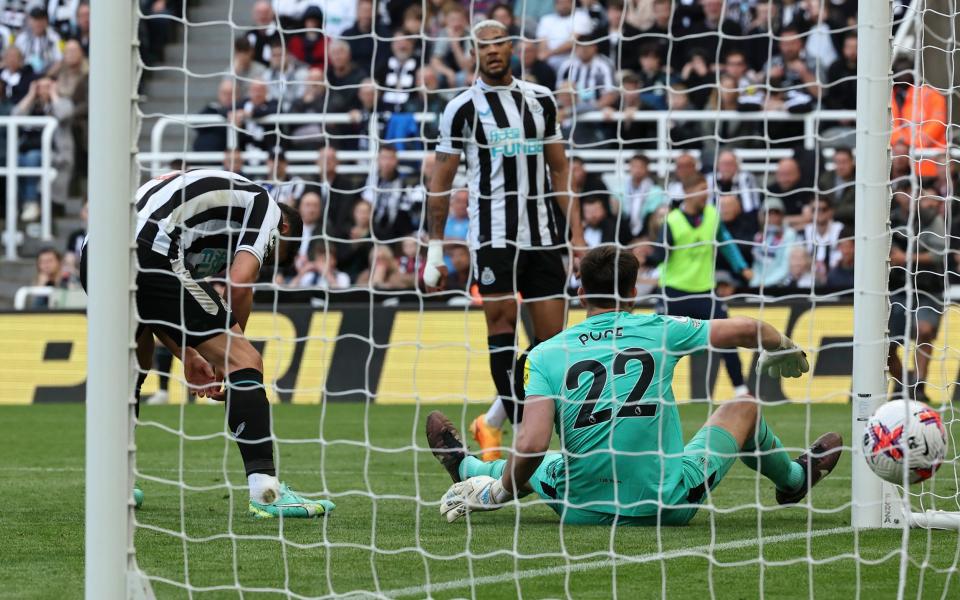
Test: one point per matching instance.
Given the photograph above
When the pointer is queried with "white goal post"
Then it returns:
(875, 503)
(108, 509)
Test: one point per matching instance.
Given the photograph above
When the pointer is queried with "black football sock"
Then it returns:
(141, 377)
(164, 362)
(248, 415)
(502, 359)
(518, 390)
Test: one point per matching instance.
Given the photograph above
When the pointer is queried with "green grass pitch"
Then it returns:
(381, 540)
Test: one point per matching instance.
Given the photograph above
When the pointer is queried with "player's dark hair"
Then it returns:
(641, 158)
(607, 273)
(292, 218)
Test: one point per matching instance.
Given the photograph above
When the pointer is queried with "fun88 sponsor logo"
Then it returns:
(510, 142)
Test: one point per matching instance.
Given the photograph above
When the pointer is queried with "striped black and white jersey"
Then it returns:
(503, 130)
(205, 216)
(590, 79)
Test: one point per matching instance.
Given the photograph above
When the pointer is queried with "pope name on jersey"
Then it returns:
(502, 130)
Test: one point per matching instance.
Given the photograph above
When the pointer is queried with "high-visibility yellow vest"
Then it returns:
(690, 260)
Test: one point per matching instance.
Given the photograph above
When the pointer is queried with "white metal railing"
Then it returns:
(56, 297)
(12, 171)
(661, 157)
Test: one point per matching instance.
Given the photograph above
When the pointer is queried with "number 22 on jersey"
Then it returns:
(629, 407)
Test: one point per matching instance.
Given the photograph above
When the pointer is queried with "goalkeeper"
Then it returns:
(606, 383)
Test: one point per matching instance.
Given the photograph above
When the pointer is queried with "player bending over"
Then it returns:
(607, 384)
(192, 225)
(508, 131)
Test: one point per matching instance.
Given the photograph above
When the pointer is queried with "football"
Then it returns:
(904, 434)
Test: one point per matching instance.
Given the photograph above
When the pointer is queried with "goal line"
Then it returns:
(702, 551)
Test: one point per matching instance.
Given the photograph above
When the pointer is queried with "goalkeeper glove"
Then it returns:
(787, 360)
(431, 270)
(480, 493)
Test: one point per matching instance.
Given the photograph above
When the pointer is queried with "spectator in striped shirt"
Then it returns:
(729, 178)
(40, 44)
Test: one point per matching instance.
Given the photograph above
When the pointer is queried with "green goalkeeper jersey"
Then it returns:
(611, 380)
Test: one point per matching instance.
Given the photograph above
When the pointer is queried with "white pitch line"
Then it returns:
(149, 471)
(421, 590)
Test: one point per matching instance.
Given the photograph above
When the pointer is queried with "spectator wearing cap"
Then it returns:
(310, 47)
(772, 246)
(281, 186)
(558, 30)
(39, 43)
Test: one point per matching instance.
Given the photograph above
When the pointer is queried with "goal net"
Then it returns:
(336, 107)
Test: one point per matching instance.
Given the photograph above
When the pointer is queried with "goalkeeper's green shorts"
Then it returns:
(706, 460)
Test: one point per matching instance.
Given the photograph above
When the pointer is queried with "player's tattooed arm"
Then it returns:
(438, 200)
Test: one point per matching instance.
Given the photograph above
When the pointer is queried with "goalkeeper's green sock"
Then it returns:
(773, 462)
(472, 466)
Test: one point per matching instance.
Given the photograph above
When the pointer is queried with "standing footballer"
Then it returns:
(521, 211)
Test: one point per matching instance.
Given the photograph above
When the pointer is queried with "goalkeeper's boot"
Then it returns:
(817, 463)
(446, 442)
(490, 439)
(137, 497)
(291, 505)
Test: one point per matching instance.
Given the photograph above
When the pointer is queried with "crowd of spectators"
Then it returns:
(374, 68)
(45, 47)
